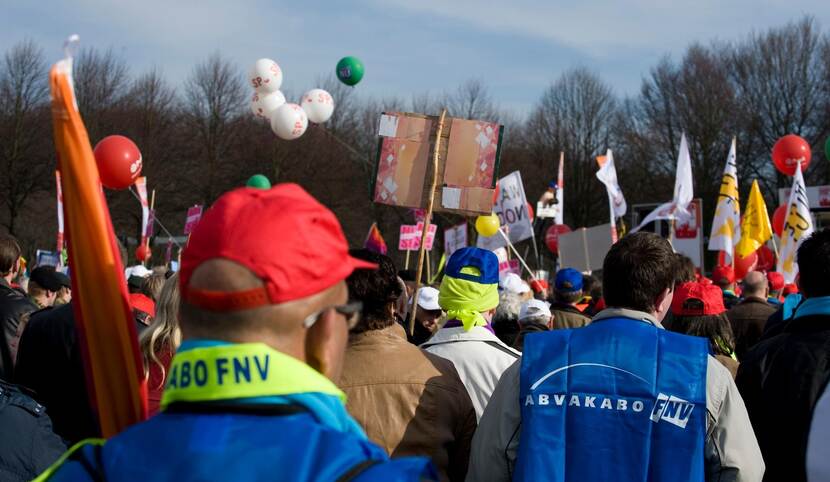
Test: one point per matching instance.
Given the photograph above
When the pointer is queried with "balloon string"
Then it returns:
(157, 220)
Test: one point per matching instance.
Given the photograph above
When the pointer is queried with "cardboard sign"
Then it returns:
(585, 248)
(410, 237)
(47, 258)
(455, 238)
(194, 214)
(511, 208)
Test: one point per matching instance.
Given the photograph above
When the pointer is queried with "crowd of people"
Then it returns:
(309, 371)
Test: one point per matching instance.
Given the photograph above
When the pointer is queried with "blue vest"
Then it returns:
(618, 400)
(235, 446)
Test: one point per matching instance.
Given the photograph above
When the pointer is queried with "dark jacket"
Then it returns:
(49, 363)
(748, 318)
(780, 380)
(13, 305)
(526, 329)
(567, 316)
(27, 445)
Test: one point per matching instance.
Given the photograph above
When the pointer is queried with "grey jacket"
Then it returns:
(732, 452)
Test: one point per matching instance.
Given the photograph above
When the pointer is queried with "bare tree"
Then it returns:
(471, 100)
(101, 80)
(214, 102)
(25, 153)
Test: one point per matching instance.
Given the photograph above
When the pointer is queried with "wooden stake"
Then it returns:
(429, 266)
(427, 219)
(406, 263)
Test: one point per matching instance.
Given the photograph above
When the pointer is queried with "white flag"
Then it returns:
(607, 174)
(798, 226)
(726, 227)
(678, 208)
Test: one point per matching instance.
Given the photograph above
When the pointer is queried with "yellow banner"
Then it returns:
(755, 227)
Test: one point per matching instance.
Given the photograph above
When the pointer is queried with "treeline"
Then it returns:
(199, 138)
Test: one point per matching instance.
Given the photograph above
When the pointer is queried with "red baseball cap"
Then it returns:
(539, 285)
(290, 241)
(723, 274)
(710, 295)
(776, 280)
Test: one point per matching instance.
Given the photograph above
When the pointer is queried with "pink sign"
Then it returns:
(410, 237)
(194, 214)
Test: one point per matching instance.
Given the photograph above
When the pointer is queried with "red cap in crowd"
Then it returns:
(789, 289)
(723, 274)
(290, 241)
(538, 285)
(776, 280)
(709, 296)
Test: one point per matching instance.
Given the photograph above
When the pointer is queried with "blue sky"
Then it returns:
(408, 46)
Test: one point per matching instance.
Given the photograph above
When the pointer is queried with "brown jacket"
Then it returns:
(567, 316)
(748, 319)
(410, 402)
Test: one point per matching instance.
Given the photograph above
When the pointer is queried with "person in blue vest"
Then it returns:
(250, 393)
(621, 399)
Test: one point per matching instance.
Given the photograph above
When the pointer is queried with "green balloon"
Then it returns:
(259, 181)
(350, 70)
(827, 149)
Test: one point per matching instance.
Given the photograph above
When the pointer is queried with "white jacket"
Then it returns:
(479, 357)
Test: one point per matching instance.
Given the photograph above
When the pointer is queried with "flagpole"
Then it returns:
(510, 245)
(406, 263)
(427, 219)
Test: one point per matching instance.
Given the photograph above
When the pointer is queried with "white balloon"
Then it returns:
(318, 105)
(262, 105)
(289, 121)
(265, 76)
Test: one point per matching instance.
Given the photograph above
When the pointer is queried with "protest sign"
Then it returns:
(410, 237)
(511, 208)
(194, 214)
(455, 238)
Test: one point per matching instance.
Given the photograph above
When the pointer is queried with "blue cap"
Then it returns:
(568, 280)
(486, 262)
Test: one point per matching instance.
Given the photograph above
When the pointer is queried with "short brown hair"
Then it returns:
(376, 289)
(636, 270)
(9, 254)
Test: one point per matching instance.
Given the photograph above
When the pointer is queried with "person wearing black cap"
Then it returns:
(44, 286)
(65, 293)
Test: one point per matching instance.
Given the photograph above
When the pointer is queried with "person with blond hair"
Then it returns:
(159, 342)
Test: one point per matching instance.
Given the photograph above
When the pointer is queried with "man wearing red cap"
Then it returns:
(250, 392)
(724, 278)
(776, 284)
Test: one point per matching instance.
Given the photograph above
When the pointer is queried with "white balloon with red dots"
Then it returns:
(265, 76)
(289, 121)
(262, 105)
(318, 105)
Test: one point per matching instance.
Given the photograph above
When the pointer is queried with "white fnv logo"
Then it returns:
(672, 409)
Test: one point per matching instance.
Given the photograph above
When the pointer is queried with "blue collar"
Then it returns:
(813, 306)
(327, 409)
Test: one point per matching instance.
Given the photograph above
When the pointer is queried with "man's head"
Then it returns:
(724, 277)
(567, 287)
(685, 269)
(65, 292)
(698, 310)
(269, 266)
(469, 291)
(378, 290)
(44, 285)
(536, 312)
(638, 273)
(9, 257)
(136, 278)
(814, 265)
(429, 311)
(754, 284)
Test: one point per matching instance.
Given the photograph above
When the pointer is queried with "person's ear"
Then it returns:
(325, 344)
(662, 303)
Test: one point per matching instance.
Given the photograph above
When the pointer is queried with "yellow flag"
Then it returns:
(755, 227)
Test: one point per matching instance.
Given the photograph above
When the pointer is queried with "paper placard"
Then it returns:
(451, 198)
(410, 237)
(388, 126)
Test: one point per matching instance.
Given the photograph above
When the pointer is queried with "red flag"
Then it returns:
(374, 240)
(107, 330)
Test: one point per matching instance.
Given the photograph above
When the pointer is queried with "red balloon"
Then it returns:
(744, 265)
(119, 162)
(142, 253)
(788, 151)
(552, 236)
(766, 259)
(778, 218)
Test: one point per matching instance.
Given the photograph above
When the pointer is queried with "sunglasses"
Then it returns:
(351, 311)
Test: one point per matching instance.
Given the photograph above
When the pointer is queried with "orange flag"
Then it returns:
(114, 370)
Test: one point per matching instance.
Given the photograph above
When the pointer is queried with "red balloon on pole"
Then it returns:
(766, 259)
(788, 152)
(142, 252)
(744, 265)
(119, 162)
(552, 236)
(778, 219)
